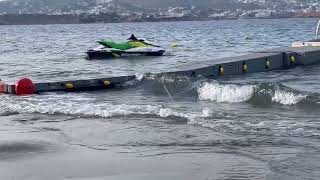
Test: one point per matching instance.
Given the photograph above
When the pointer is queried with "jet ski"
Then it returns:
(133, 47)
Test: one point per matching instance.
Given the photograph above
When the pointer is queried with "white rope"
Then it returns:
(165, 87)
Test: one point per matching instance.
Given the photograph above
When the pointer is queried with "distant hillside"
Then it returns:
(44, 6)
(83, 6)
(72, 6)
(202, 4)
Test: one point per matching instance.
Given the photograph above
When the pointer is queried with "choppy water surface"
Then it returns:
(258, 126)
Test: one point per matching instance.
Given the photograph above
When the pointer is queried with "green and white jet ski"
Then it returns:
(133, 47)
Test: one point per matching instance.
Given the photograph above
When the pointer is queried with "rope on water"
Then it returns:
(165, 87)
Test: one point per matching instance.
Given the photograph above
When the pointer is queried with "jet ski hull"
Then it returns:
(105, 54)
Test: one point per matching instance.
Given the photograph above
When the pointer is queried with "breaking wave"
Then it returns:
(82, 105)
(85, 105)
(87, 108)
(202, 90)
(287, 98)
(260, 93)
(225, 93)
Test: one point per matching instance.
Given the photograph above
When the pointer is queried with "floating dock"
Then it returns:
(261, 61)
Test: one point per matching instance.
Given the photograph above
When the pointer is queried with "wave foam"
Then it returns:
(287, 98)
(71, 108)
(225, 93)
(89, 109)
(242, 93)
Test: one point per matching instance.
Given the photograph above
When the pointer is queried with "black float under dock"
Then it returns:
(262, 61)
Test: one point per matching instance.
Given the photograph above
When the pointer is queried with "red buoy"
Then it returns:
(24, 87)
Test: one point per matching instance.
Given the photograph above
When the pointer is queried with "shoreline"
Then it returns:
(43, 19)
